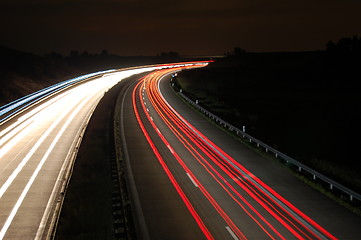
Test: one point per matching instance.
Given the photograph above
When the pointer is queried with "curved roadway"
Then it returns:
(193, 181)
(188, 179)
(39, 137)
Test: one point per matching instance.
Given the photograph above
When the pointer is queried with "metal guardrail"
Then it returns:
(12, 108)
(301, 167)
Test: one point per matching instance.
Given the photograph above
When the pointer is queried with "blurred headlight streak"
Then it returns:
(34, 126)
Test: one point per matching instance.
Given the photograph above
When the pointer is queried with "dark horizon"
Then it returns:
(175, 55)
(144, 28)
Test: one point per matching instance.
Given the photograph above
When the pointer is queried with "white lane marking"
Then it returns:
(23, 132)
(158, 131)
(39, 167)
(250, 177)
(151, 118)
(15, 131)
(190, 177)
(232, 233)
(147, 110)
(11, 178)
(30, 114)
(170, 149)
(145, 103)
(71, 154)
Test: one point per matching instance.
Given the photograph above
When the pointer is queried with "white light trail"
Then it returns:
(37, 170)
(45, 120)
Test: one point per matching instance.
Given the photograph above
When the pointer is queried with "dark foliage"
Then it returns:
(306, 104)
(22, 73)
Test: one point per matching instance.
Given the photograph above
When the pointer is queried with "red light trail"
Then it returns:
(273, 214)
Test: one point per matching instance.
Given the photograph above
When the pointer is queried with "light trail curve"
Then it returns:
(37, 136)
(247, 206)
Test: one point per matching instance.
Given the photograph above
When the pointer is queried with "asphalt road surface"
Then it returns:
(38, 145)
(190, 180)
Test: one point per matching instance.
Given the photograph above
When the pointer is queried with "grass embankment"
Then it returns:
(22, 73)
(87, 209)
(302, 104)
(92, 207)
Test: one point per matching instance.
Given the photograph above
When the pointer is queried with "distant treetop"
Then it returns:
(346, 45)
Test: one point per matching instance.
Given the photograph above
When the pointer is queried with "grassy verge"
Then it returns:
(92, 206)
(354, 206)
(87, 208)
(290, 102)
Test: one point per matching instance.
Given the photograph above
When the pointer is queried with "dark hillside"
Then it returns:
(22, 73)
(305, 104)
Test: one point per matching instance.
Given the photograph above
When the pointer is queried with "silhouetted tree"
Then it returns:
(343, 61)
(55, 55)
(170, 54)
(330, 46)
(345, 45)
(74, 53)
(238, 51)
(85, 54)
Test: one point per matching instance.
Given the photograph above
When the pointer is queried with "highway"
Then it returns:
(219, 188)
(188, 179)
(39, 138)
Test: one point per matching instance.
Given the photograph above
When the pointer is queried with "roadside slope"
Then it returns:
(329, 214)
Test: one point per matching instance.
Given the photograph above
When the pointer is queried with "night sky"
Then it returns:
(190, 27)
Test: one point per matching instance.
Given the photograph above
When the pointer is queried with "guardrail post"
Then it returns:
(287, 159)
